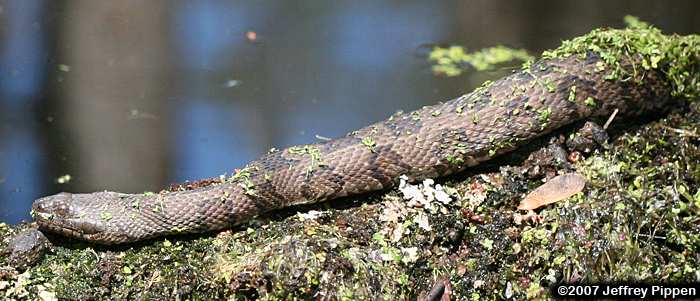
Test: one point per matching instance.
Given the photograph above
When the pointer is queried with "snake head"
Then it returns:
(80, 216)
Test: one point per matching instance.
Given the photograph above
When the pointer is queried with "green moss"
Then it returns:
(369, 143)
(243, 178)
(454, 159)
(572, 94)
(543, 116)
(589, 101)
(106, 216)
(312, 151)
(635, 23)
(676, 56)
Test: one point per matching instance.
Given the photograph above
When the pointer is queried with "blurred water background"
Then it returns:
(134, 95)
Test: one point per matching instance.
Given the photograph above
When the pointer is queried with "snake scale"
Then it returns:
(430, 142)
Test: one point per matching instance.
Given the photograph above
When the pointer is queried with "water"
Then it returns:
(132, 97)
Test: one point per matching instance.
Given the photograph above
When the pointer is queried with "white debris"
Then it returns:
(394, 211)
(412, 193)
(509, 290)
(422, 221)
(312, 214)
(442, 196)
(46, 295)
(387, 256)
(475, 199)
(410, 255)
(422, 195)
(398, 232)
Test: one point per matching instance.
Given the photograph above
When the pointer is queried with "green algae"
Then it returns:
(314, 154)
(543, 115)
(451, 61)
(572, 94)
(589, 101)
(243, 178)
(106, 216)
(369, 143)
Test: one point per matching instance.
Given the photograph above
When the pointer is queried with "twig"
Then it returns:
(610, 119)
(682, 132)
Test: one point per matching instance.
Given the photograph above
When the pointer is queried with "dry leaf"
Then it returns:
(556, 189)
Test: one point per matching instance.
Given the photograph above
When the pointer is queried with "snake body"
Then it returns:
(430, 142)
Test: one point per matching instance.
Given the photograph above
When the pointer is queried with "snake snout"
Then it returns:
(57, 205)
(65, 213)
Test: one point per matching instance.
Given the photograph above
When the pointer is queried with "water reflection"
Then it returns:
(22, 56)
(212, 138)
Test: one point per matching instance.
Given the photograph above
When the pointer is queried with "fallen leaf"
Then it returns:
(556, 189)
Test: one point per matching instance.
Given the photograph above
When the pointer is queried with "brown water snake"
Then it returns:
(431, 142)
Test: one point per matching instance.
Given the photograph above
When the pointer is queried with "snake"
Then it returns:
(433, 141)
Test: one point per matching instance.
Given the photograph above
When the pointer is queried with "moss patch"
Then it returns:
(678, 56)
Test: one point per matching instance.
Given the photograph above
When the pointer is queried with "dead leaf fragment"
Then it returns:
(556, 189)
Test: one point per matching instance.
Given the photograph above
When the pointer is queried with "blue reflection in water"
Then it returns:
(21, 72)
(372, 48)
(21, 78)
(364, 47)
(19, 174)
(205, 30)
(207, 142)
(210, 136)
(376, 34)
